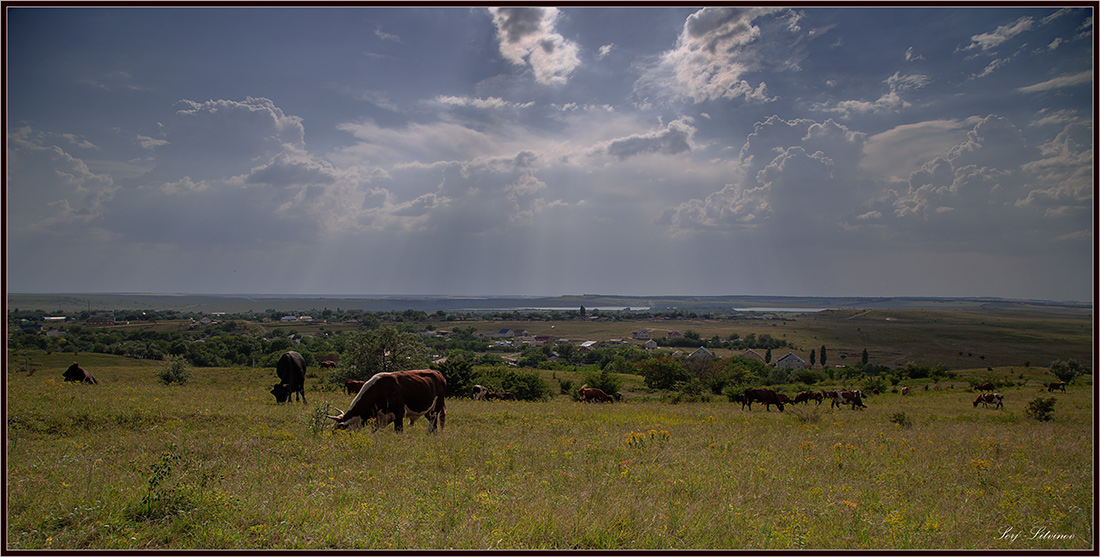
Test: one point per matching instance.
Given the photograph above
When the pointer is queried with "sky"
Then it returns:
(473, 151)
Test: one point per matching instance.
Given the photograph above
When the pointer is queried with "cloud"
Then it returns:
(490, 103)
(605, 50)
(713, 57)
(988, 41)
(890, 101)
(115, 81)
(527, 37)
(1070, 80)
(674, 139)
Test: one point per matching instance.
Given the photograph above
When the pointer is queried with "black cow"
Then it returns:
(767, 396)
(394, 396)
(291, 370)
(76, 373)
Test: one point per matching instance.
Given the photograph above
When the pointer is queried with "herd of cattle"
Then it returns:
(394, 396)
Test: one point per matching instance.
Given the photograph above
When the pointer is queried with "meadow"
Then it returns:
(216, 464)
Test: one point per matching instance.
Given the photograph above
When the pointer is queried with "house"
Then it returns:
(674, 334)
(752, 355)
(587, 345)
(640, 334)
(702, 353)
(790, 361)
(650, 344)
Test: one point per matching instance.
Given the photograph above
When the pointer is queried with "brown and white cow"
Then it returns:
(352, 386)
(394, 396)
(766, 396)
(840, 398)
(1055, 386)
(591, 394)
(996, 399)
(987, 386)
(76, 373)
(291, 369)
(904, 390)
(481, 393)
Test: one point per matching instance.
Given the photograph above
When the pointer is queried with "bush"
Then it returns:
(526, 386)
(175, 370)
(901, 419)
(1041, 409)
(603, 380)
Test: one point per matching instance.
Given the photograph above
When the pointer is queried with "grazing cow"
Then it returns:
(291, 369)
(987, 386)
(840, 398)
(806, 396)
(481, 393)
(76, 373)
(352, 386)
(502, 395)
(328, 364)
(1054, 386)
(767, 396)
(905, 390)
(997, 399)
(394, 396)
(875, 391)
(589, 394)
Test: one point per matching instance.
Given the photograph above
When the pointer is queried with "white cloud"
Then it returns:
(993, 39)
(605, 50)
(890, 101)
(674, 139)
(1080, 78)
(712, 57)
(527, 37)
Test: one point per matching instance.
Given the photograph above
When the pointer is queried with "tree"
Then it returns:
(813, 357)
(824, 355)
(661, 373)
(768, 356)
(380, 350)
(1066, 371)
(865, 357)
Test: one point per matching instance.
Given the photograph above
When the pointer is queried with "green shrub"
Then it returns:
(901, 419)
(175, 370)
(1041, 409)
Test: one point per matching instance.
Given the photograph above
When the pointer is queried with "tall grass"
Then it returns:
(215, 464)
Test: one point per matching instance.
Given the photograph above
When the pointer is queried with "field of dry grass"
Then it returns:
(215, 464)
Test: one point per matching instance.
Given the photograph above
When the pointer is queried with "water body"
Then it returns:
(570, 308)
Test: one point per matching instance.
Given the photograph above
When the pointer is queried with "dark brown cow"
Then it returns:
(1055, 386)
(589, 394)
(767, 396)
(997, 399)
(328, 364)
(987, 386)
(806, 396)
(394, 396)
(840, 398)
(352, 386)
(76, 373)
(291, 369)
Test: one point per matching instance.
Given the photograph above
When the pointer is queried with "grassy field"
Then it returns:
(215, 464)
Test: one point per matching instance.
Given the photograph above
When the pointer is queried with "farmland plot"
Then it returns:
(215, 464)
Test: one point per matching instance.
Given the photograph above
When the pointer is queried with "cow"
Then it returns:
(996, 399)
(840, 398)
(291, 369)
(328, 364)
(1054, 386)
(481, 393)
(806, 396)
(987, 386)
(393, 396)
(352, 386)
(875, 391)
(588, 394)
(502, 395)
(767, 396)
(76, 373)
(904, 391)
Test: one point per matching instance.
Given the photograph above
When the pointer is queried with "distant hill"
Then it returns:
(701, 304)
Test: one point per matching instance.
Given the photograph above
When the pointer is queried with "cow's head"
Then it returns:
(355, 423)
(281, 392)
